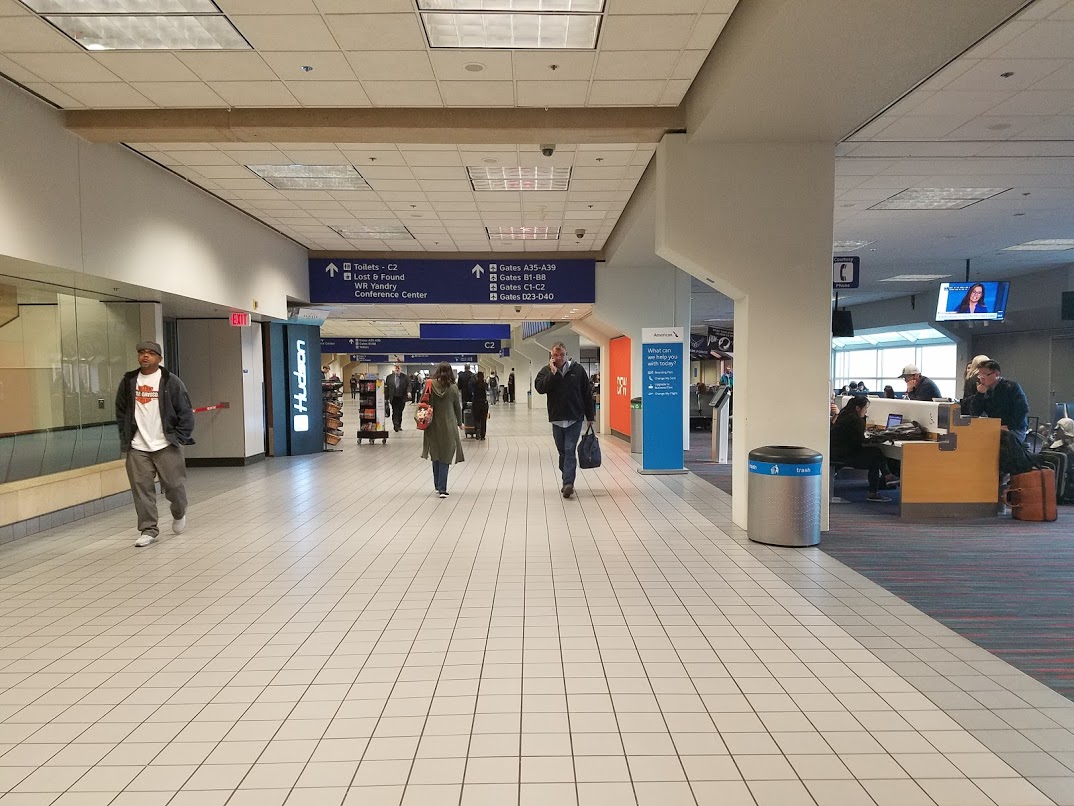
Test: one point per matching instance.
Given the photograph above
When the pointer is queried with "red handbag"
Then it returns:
(424, 413)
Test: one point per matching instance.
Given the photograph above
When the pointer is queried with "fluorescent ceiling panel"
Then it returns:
(913, 278)
(570, 6)
(523, 233)
(512, 31)
(1043, 245)
(848, 246)
(150, 32)
(123, 6)
(937, 198)
(539, 178)
(311, 177)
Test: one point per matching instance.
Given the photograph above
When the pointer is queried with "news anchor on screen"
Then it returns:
(973, 302)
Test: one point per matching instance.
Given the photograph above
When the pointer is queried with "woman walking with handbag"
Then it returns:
(441, 441)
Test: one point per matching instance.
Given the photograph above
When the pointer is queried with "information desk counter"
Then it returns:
(952, 474)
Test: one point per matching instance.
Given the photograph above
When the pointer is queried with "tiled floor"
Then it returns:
(330, 632)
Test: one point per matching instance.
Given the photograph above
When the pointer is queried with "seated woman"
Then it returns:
(849, 448)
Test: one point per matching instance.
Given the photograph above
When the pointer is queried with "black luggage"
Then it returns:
(468, 420)
(1059, 462)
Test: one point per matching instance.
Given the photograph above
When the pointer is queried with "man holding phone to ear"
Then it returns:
(570, 399)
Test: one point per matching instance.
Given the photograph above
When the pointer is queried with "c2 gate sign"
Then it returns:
(409, 281)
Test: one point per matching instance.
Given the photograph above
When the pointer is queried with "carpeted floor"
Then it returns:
(1006, 585)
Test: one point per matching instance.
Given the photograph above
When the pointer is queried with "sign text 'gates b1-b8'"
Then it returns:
(500, 281)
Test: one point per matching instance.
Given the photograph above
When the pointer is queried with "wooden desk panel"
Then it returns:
(935, 476)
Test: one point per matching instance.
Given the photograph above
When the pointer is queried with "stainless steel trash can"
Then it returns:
(635, 425)
(784, 496)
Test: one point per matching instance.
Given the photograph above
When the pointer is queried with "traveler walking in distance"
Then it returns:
(396, 391)
(570, 398)
(155, 421)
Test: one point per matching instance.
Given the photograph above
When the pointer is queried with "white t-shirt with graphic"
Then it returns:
(150, 432)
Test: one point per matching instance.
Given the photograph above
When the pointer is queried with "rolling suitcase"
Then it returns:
(1031, 496)
(1060, 463)
(468, 420)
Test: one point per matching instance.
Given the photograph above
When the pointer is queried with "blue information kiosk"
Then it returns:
(662, 400)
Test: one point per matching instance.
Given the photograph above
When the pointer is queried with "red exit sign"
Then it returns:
(240, 319)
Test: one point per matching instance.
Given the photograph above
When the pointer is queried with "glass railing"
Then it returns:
(28, 454)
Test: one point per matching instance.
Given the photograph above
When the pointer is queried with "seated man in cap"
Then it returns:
(918, 387)
(155, 420)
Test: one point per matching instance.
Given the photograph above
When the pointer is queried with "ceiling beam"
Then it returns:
(442, 126)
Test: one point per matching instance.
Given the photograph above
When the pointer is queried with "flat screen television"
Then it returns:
(972, 301)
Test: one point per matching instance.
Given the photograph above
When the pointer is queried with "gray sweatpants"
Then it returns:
(169, 465)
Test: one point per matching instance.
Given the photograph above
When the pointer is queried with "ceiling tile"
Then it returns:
(445, 185)
(403, 93)
(478, 93)
(1060, 127)
(11, 8)
(267, 6)
(383, 186)
(179, 94)
(231, 66)
(426, 172)
(31, 34)
(365, 6)
(705, 32)
(635, 65)
(379, 171)
(666, 6)
(329, 93)
(366, 32)
(552, 93)
(145, 66)
(690, 62)
(674, 92)
(318, 157)
(254, 93)
(1036, 103)
(625, 93)
(285, 32)
(110, 95)
(272, 157)
(646, 32)
(1045, 40)
(359, 156)
(327, 66)
(49, 92)
(404, 65)
(986, 75)
(967, 104)
(1062, 79)
(233, 171)
(206, 157)
(56, 67)
(16, 72)
(450, 65)
(430, 158)
(537, 65)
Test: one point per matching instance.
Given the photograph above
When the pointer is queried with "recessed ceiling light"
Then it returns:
(473, 67)
(558, 24)
(537, 178)
(849, 246)
(1043, 245)
(490, 161)
(937, 198)
(150, 32)
(523, 233)
(913, 278)
(311, 177)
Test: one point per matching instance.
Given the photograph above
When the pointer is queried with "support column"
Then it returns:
(754, 220)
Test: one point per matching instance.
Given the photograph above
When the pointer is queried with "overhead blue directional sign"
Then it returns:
(444, 330)
(408, 346)
(846, 271)
(410, 281)
(409, 358)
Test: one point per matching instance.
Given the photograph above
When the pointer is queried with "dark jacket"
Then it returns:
(570, 395)
(176, 413)
(1005, 401)
(465, 382)
(926, 390)
(441, 441)
(848, 436)
(396, 386)
(480, 399)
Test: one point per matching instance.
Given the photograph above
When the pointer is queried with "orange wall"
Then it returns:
(615, 385)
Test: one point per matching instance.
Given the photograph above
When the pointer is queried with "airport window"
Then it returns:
(877, 359)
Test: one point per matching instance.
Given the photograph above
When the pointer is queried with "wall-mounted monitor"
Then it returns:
(971, 301)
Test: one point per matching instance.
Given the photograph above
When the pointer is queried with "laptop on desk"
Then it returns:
(894, 420)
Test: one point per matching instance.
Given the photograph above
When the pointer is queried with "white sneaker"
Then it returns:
(179, 525)
(145, 539)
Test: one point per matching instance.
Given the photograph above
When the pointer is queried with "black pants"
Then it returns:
(868, 458)
(398, 404)
(480, 413)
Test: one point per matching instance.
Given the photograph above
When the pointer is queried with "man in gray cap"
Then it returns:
(918, 387)
(155, 420)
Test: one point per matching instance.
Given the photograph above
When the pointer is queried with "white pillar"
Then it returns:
(754, 220)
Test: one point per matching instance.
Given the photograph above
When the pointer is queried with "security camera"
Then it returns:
(548, 150)
(579, 233)
(518, 309)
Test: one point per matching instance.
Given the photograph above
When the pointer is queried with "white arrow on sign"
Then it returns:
(331, 268)
(477, 271)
